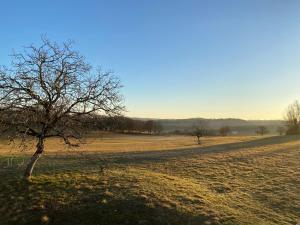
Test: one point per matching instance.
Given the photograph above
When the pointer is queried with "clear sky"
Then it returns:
(176, 59)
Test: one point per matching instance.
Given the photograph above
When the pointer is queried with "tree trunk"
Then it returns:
(199, 141)
(34, 159)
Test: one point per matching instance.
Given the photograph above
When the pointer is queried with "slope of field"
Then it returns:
(255, 181)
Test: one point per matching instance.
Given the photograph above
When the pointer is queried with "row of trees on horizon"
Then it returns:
(291, 126)
(122, 124)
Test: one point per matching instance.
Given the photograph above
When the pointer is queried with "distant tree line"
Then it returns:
(88, 123)
(123, 124)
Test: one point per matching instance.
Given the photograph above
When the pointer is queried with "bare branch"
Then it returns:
(51, 91)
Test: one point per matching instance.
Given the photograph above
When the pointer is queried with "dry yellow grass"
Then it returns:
(231, 180)
(111, 143)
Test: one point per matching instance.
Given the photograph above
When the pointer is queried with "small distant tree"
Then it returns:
(149, 126)
(200, 130)
(280, 130)
(292, 118)
(51, 91)
(261, 130)
(224, 131)
(157, 127)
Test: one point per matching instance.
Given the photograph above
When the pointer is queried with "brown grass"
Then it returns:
(231, 180)
(112, 143)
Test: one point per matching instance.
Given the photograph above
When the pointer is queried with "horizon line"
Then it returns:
(191, 118)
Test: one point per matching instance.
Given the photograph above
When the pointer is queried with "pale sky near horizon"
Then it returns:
(176, 59)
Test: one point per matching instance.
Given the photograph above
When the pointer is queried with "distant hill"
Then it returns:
(238, 126)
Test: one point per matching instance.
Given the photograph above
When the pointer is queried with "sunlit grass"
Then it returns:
(255, 182)
(108, 142)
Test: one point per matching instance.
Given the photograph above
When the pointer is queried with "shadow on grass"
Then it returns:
(50, 164)
(127, 158)
(97, 161)
(165, 154)
(57, 200)
(124, 212)
(60, 202)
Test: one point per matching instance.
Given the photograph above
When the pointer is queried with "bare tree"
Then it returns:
(280, 130)
(157, 127)
(293, 118)
(149, 126)
(261, 130)
(200, 130)
(224, 131)
(50, 91)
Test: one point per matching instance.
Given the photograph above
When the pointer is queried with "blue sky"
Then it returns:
(176, 59)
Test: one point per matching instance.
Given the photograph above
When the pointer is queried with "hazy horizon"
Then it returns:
(206, 118)
(176, 59)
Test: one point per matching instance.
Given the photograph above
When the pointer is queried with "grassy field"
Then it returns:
(112, 143)
(156, 180)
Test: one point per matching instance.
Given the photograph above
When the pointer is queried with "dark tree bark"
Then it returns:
(38, 153)
(199, 141)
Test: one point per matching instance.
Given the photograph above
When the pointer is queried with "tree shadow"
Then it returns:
(129, 211)
(134, 157)
(40, 204)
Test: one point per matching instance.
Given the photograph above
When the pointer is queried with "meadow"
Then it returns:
(140, 179)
